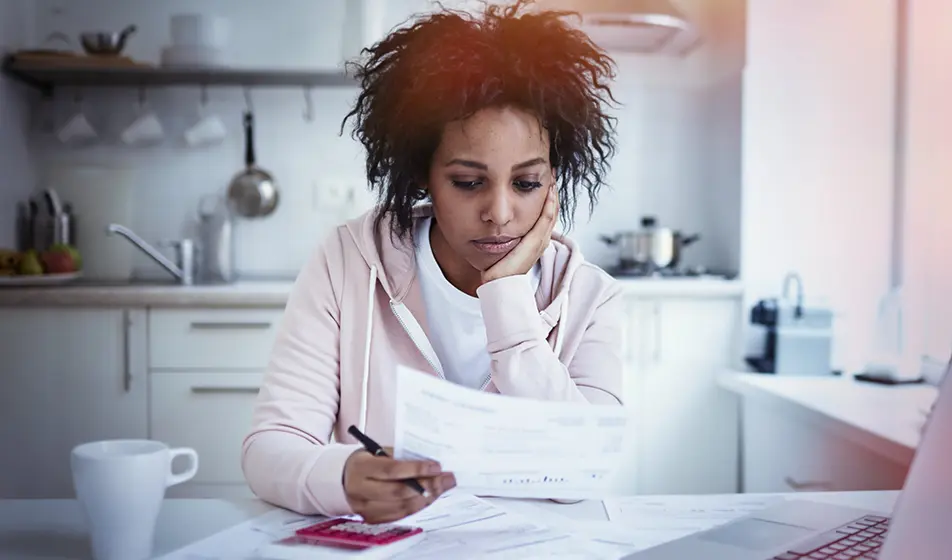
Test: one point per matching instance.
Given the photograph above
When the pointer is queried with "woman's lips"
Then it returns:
(495, 245)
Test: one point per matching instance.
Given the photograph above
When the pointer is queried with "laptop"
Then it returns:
(915, 529)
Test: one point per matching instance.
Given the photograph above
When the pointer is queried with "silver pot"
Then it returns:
(651, 247)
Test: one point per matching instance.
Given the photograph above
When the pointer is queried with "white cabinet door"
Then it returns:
(685, 426)
(637, 330)
(211, 413)
(70, 376)
(784, 453)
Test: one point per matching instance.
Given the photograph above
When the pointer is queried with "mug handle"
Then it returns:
(188, 473)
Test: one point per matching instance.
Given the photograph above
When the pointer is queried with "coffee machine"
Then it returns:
(798, 340)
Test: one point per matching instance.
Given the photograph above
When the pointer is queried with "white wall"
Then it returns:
(928, 180)
(16, 24)
(660, 167)
(818, 153)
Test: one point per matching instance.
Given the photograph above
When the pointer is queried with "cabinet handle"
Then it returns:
(204, 389)
(126, 352)
(209, 325)
(807, 485)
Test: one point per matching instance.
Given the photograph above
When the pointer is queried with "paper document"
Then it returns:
(652, 520)
(457, 525)
(498, 445)
(462, 526)
(243, 541)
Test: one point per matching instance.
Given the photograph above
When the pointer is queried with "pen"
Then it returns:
(377, 451)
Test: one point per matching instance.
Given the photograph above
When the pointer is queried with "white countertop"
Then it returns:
(678, 287)
(238, 294)
(253, 293)
(35, 529)
(886, 419)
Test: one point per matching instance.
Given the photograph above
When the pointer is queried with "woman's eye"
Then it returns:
(528, 185)
(465, 184)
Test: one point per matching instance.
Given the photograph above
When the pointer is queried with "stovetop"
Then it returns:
(699, 272)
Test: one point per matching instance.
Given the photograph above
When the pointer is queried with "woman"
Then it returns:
(479, 133)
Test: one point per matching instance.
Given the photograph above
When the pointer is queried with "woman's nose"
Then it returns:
(498, 207)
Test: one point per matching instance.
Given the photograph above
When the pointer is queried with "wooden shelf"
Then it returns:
(46, 76)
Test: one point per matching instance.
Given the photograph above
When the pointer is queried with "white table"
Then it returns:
(54, 529)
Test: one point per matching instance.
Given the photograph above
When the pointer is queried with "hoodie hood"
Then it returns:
(395, 261)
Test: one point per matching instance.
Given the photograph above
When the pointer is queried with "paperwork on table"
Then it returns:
(498, 445)
(456, 526)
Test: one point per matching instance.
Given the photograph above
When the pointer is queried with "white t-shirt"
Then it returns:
(455, 318)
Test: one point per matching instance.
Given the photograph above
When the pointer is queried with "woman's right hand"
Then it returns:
(375, 490)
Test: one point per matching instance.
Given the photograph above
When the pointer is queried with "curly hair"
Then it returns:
(450, 64)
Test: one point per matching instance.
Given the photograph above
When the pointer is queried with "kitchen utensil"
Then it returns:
(24, 239)
(253, 192)
(65, 231)
(105, 43)
(46, 223)
(216, 242)
(651, 247)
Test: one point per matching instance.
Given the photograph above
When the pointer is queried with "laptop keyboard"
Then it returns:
(859, 539)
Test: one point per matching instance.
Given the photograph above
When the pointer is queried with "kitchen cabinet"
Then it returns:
(236, 339)
(784, 453)
(205, 368)
(683, 437)
(211, 413)
(70, 375)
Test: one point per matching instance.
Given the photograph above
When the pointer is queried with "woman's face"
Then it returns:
(488, 181)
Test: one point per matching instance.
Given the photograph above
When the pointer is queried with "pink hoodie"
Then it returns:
(356, 311)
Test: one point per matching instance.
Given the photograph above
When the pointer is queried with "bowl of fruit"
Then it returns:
(58, 264)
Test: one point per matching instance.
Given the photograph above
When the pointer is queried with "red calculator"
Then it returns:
(349, 533)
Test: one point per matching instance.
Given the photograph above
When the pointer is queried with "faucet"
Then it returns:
(183, 271)
(788, 279)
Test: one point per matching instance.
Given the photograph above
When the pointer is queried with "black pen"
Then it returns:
(374, 448)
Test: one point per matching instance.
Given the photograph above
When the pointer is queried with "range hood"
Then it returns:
(636, 26)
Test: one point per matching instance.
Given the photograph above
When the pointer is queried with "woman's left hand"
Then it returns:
(530, 248)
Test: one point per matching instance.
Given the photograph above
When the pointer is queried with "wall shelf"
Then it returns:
(46, 76)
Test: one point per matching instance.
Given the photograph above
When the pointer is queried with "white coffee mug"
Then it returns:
(77, 130)
(120, 485)
(146, 129)
(207, 131)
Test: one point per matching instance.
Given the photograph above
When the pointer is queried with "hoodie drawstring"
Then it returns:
(563, 313)
(365, 382)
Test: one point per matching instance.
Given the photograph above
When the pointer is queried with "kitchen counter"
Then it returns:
(886, 419)
(682, 287)
(81, 294)
(275, 293)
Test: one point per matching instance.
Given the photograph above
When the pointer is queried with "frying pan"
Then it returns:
(253, 192)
